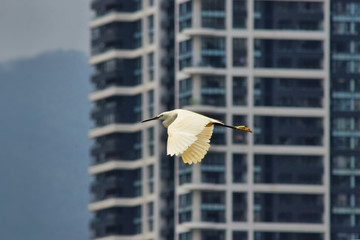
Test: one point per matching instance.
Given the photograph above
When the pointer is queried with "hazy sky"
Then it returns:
(28, 28)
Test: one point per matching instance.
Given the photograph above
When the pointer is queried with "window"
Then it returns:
(239, 52)
(185, 92)
(291, 208)
(185, 54)
(151, 178)
(138, 34)
(151, 66)
(290, 15)
(288, 92)
(239, 14)
(185, 207)
(288, 169)
(239, 168)
(150, 213)
(151, 103)
(137, 73)
(151, 28)
(239, 206)
(289, 54)
(151, 141)
(309, 130)
(212, 206)
(185, 15)
(185, 236)
(138, 107)
(213, 168)
(213, 90)
(213, 14)
(137, 220)
(239, 86)
(213, 52)
(185, 173)
(137, 185)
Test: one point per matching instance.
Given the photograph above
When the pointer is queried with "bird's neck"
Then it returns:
(169, 120)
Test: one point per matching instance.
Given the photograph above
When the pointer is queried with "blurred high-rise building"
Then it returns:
(265, 64)
(345, 119)
(132, 55)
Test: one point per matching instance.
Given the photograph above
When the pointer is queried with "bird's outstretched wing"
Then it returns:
(196, 151)
(184, 131)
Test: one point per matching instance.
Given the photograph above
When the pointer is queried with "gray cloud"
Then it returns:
(28, 28)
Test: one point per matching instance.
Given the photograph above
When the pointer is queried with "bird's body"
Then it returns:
(189, 133)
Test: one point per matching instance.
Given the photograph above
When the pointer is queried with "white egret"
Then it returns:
(189, 133)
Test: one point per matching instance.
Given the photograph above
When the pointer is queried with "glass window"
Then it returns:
(288, 169)
(212, 206)
(185, 15)
(213, 168)
(289, 235)
(185, 207)
(239, 168)
(212, 235)
(150, 208)
(239, 52)
(138, 34)
(213, 52)
(185, 236)
(289, 54)
(284, 207)
(309, 131)
(213, 14)
(151, 66)
(239, 13)
(308, 16)
(239, 202)
(137, 220)
(213, 90)
(287, 92)
(185, 54)
(138, 107)
(137, 185)
(185, 92)
(151, 141)
(137, 73)
(151, 102)
(151, 28)
(239, 91)
(185, 173)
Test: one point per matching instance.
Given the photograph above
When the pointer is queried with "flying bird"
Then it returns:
(189, 133)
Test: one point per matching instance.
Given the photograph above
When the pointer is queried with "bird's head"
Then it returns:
(167, 117)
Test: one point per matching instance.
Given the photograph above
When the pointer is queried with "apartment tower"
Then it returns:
(132, 53)
(345, 120)
(265, 64)
(260, 63)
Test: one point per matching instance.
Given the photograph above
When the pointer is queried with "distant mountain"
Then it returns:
(44, 148)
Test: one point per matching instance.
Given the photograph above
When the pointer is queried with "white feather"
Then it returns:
(184, 130)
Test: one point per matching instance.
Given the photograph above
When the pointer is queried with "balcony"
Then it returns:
(120, 184)
(116, 35)
(102, 7)
(118, 221)
(121, 146)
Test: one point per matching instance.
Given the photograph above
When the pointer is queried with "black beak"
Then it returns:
(154, 118)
